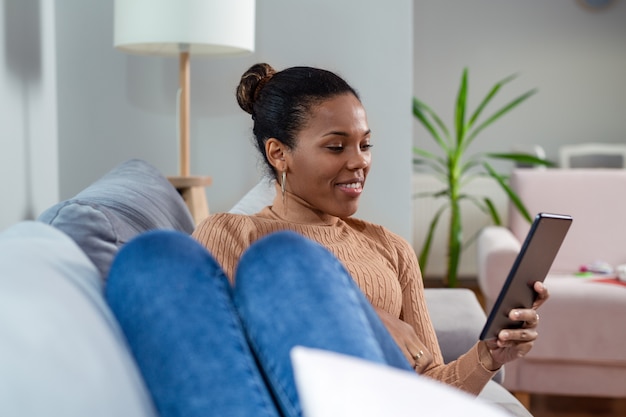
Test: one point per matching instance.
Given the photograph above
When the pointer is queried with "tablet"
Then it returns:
(532, 264)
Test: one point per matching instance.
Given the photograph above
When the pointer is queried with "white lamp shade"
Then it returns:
(166, 27)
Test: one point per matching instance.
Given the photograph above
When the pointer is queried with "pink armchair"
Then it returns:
(582, 345)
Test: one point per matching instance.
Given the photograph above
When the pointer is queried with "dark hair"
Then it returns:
(280, 102)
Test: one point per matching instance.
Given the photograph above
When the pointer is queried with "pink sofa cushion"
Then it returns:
(582, 322)
(595, 198)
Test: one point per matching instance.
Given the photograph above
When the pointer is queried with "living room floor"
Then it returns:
(556, 405)
(560, 406)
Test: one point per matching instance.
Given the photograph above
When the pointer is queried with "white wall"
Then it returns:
(28, 135)
(575, 57)
(113, 106)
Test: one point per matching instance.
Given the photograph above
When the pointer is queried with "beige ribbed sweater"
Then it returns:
(382, 263)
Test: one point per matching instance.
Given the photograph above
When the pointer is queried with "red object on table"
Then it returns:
(609, 281)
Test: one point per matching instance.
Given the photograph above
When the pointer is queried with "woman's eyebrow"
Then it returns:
(336, 133)
(345, 134)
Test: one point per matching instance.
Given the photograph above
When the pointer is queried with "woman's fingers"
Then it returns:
(516, 343)
(405, 337)
(422, 360)
(528, 316)
(542, 294)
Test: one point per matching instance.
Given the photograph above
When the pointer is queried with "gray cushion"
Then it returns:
(62, 353)
(132, 198)
(458, 319)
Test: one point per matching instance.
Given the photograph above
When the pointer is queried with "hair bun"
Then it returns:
(251, 84)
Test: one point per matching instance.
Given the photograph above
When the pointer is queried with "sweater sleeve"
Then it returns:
(467, 372)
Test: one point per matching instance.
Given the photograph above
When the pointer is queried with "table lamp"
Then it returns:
(183, 28)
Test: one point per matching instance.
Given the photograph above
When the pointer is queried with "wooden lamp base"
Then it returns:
(192, 189)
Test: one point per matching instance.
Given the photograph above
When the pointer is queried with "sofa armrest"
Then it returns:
(62, 352)
(458, 320)
(497, 249)
(457, 317)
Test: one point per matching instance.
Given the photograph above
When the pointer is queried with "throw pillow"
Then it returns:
(332, 384)
(132, 198)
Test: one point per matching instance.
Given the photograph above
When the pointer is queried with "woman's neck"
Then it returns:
(294, 209)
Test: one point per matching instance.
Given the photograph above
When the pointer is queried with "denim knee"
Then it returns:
(174, 303)
(292, 291)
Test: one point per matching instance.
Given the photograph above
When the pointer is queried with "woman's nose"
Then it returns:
(360, 160)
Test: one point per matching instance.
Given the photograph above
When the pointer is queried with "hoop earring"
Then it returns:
(282, 185)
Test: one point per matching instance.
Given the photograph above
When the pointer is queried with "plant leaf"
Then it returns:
(495, 216)
(508, 107)
(421, 111)
(429, 156)
(437, 170)
(460, 109)
(465, 169)
(494, 90)
(523, 158)
(425, 252)
(433, 194)
(509, 191)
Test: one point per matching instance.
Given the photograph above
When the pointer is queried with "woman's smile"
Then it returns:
(352, 189)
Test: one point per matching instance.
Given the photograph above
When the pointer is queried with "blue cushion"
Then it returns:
(132, 198)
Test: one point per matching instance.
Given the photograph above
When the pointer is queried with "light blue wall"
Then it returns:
(28, 121)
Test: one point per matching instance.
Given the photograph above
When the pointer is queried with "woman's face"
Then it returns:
(332, 157)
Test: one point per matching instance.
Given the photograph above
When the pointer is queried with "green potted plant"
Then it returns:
(455, 166)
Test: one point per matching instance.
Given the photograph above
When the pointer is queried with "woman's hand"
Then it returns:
(406, 338)
(514, 343)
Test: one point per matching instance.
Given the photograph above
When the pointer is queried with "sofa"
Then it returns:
(580, 350)
(62, 351)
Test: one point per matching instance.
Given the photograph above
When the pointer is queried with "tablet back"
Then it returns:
(532, 264)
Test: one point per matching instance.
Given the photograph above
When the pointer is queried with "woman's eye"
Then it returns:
(366, 146)
(335, 148)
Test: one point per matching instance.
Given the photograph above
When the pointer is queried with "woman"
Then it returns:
(286, 289)
(312, 132)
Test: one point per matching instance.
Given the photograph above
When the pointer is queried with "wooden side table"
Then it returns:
(192, 189)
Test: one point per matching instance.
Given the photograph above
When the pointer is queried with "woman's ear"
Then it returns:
(275, 151)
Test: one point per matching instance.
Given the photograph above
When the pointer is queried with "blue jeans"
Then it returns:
(205, 348)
